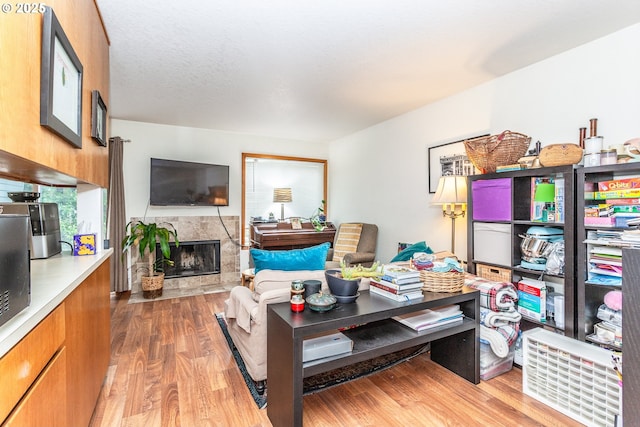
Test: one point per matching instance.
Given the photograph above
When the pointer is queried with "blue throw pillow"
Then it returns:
(312, 258)
(407, 253)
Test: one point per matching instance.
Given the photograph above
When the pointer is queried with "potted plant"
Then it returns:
(145, 236)
(319, 218)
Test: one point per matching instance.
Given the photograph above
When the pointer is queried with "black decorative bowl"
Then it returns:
(340, 286)
(23, 196)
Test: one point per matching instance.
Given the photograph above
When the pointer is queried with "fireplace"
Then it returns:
(196, 258)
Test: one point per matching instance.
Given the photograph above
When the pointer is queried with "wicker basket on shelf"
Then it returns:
(441, 282)
(488, 152)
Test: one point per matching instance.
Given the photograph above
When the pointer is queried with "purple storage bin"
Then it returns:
(491, 199)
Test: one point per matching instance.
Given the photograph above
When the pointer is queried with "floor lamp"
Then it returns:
(452, 195)
(282, 196)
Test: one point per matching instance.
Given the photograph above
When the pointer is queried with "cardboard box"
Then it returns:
(491, 199)
(84, 244)
(532, 299)
(619, 184)
(326, 346)
(492, 243)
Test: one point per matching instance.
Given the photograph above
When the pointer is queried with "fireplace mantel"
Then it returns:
(195, 228)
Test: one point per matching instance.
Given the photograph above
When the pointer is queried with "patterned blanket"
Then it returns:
(495, 319)
(496, 296)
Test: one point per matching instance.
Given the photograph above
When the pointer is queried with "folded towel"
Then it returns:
(447, 265)
(499, 318)
(495, 339)
(496, 296)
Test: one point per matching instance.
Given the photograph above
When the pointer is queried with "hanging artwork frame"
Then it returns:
(98, 119)
(60, 82)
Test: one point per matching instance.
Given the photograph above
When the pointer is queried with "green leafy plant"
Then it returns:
(318, 220)
(145, 236)
(350, 273)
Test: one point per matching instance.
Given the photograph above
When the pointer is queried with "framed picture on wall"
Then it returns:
(98, 119)
(449, 159)
(60, 82)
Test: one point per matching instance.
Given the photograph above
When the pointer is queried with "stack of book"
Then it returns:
(431, 318)
(618, 204)
(397, 283)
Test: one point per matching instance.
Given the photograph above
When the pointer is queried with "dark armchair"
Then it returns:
(355, 243)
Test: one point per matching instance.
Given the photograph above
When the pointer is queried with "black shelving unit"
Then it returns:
(589, 295)
(518, 223)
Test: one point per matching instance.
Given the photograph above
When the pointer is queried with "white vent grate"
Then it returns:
(571, 376)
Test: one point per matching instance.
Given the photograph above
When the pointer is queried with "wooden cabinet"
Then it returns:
(500, 211)
(25, 362)
(88, 339)
(30, 152)
(45, 404)
(280, 236)
(53, 376)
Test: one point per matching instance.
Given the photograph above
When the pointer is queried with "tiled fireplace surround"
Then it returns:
(194, 228)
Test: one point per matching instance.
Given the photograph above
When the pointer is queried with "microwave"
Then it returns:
(15, 266)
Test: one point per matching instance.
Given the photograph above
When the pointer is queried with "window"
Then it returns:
(262, 174)
(65, 197)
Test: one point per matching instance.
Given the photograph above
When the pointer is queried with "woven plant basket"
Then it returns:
(489, 152)
(441, 282)
(152, 286)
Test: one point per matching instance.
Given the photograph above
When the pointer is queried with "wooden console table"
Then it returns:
(455, 347)
(280, 236)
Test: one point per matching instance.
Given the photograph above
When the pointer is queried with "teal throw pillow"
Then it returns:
(312, 258)
(407, 253)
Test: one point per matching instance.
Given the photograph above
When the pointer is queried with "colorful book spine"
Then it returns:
(617, 194)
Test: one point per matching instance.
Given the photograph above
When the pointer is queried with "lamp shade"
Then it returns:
(451, 189)
(282, 195)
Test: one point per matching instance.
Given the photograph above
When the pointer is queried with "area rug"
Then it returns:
(327, 379)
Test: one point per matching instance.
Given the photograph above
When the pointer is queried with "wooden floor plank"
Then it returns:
(171, 366)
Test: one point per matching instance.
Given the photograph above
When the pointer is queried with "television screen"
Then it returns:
(177, 183)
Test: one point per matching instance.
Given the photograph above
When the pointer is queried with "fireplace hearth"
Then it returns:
(195, 258)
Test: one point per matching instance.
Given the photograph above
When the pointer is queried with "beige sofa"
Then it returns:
(246, 314)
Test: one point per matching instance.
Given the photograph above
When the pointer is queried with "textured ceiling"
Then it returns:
(319, 70)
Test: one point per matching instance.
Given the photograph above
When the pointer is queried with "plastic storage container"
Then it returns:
(492, 365)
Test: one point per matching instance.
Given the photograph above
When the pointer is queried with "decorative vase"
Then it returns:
(152, 286)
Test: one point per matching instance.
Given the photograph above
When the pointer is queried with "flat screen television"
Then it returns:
(178, 183)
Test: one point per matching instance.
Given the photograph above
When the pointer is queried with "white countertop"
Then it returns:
(52, 280)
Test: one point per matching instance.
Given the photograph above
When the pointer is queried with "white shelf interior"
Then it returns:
(571, 376)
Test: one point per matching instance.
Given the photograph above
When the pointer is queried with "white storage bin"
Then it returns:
(492, 243)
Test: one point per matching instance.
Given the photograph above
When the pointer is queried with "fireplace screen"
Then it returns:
(193, 258)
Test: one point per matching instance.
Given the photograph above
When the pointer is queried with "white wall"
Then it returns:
(379, 175)
(196, 145)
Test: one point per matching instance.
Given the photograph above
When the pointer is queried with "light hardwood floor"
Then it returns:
(170, 366)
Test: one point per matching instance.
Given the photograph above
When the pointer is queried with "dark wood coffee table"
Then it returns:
(454, 347)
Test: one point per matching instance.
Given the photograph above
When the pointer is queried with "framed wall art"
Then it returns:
(60, 83)
(449, 159)
(98, 119)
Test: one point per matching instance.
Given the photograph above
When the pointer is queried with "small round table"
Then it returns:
(247, 278)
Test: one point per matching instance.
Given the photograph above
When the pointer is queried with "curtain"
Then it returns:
(116, 220)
